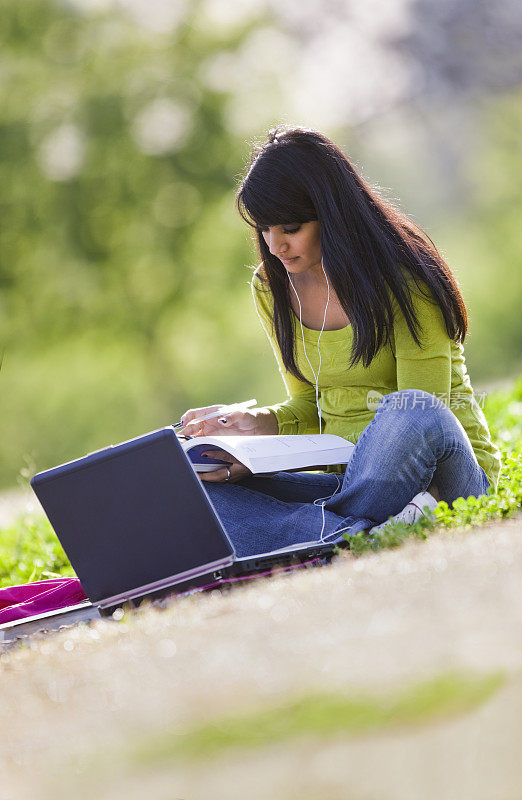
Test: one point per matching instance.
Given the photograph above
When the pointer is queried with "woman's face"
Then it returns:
(296, 245)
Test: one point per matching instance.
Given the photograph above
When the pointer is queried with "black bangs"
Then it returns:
(263, 203)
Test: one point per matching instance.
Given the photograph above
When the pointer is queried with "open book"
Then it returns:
(270, 453)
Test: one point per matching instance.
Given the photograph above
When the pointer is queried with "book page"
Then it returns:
(265, 446)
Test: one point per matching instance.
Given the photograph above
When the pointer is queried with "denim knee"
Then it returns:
(415, 406)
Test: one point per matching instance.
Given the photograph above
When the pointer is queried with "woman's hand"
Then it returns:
(237, 469)
(255, 422)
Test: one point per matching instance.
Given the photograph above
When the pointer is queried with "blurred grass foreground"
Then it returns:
(123, 265)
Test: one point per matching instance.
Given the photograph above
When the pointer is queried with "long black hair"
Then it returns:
(369, 248)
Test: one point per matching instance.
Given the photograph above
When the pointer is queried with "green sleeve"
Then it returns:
(432, 368)
(427, 367)
(298, 414)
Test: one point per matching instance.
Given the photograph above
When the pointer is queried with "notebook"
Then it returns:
(273, 453)
(135, 520)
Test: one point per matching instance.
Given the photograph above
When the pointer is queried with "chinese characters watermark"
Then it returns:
(401, 401)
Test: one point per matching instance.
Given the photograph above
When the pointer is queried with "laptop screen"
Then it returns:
(132, 515)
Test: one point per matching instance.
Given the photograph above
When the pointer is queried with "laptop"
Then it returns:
(135, 521)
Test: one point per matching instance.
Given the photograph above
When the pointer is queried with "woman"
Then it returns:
(367, 322)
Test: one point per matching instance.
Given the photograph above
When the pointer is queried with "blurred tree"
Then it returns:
(119, 243)
(485, 240)
(464, 47)
(109, 145)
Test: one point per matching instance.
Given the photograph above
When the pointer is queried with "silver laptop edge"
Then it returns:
(165, 582)
(292, 548)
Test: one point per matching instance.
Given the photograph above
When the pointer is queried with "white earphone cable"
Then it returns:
(320, 500)
(316, 376)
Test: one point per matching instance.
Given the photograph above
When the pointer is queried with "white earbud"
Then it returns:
(316, 377)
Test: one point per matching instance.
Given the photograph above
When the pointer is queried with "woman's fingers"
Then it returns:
(222, 455)
(238, 422)
(216, 476)
(232, 419)
(241, 423)
(191, 417)
(237, 469)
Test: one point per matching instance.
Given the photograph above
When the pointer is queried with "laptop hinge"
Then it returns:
(164, 583)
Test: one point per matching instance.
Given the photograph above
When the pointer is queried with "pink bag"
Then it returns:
(29, 599)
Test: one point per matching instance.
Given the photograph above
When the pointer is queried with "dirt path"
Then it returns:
(385, 620)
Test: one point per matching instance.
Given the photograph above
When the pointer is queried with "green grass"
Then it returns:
(29, 549)
(322, 715)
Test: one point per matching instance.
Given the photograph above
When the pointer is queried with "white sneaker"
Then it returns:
(415, 509)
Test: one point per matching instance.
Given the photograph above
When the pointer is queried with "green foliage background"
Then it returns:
(124, 291)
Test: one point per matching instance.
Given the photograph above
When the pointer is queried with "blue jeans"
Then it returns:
(414, 439)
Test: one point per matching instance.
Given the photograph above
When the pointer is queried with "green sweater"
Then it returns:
(348, 396)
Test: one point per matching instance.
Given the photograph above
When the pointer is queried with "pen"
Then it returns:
(221, 412)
